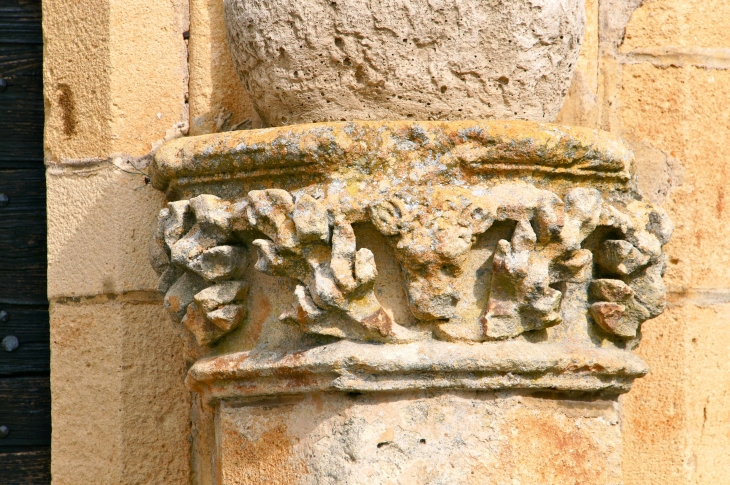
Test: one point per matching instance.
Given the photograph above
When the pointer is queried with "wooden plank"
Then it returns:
(24, 142)
(25, 408)
(20, 60)
(21, 121)
(28, 324)
(23, 237)
(27, 359)
(22, 97)
(26, 468)
(21, 68)
(25, 401)
(20, 21)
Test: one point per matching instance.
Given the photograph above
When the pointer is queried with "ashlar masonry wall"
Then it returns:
(123, 77)
(656, 73)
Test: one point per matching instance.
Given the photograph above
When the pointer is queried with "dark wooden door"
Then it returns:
(25, 404)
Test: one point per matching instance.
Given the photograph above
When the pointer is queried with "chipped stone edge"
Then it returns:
(348, 366)
(514, 146)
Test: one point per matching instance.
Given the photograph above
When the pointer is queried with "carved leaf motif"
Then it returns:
(432, 230)
(522, 298)
(635, 265)
(197, 264)
(335, 294)
(270, 212)
(311, 220)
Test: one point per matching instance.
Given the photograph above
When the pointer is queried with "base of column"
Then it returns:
(418, 438)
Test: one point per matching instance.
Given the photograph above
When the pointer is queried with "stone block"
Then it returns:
(120, 408)
(653, 412)
(697, 23)
(468, 438)
(76, 79)
(580, 107)
(218, 98)
(324, 61)
(99, 224)
(114, 84)
(675, 420)
(707, 378)
(677, 112)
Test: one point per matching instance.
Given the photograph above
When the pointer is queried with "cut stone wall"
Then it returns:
(662, 89)
(466, 438)
(115, 85)
(121, 78)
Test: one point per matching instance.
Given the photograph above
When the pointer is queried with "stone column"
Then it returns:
(383, 300)
(408, 302)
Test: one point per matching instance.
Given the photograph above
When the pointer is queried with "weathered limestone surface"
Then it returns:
(690, 23)
(677, 57)
(218, 100)
(108, 89)
(396, 257)
(681, 97)
(378, 60)
(115, 87)
(99, 206)
(658, 87)
(431, 438)
(674, 428)
(117, 387)
(581, 106)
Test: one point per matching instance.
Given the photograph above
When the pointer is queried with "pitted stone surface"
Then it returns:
(385, 259)
(574, 266)
(419, 438)
(367, 156)
(382, 60)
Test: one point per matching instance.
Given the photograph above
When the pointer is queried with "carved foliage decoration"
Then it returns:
(201, 266)
(317, 249)
(612, 249)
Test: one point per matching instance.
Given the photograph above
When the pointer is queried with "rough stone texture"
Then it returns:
(553, 271)
(364, 367)
(381, 60)
(75, 66)
(120, 408)
(309, 237)
(664, 23)
(115, 86)
(107, 87)
(203, 467)
(682, 104)
(659, 86)
(218, 99)
(680, 435)
(419, 438)
(581, 107)
(659, 416)
(677, 56)
(99, 222)
(439, 152)
(580, 241)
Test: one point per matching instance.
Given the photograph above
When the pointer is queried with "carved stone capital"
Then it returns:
(525, 256)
